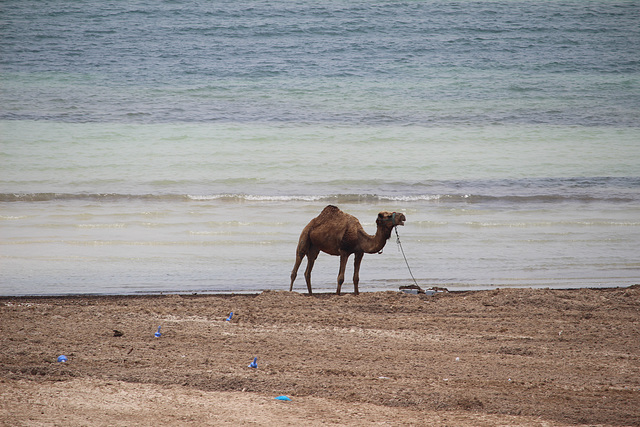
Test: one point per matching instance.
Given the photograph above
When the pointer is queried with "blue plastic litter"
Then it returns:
(62, 358)
(284, 398)
(158, 334)
(254, 364)
(228, 319)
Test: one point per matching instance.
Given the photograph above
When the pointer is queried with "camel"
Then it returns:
(338, 233)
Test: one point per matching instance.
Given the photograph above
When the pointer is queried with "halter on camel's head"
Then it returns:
(395, 218)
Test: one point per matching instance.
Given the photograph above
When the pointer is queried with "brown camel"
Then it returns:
(338, 233)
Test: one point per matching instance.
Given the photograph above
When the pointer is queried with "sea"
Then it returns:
(173, 146)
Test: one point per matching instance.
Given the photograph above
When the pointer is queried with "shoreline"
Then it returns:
(304, 292)
(514, 356)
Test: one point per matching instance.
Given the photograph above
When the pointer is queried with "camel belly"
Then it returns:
(325, 243)
(328, 250)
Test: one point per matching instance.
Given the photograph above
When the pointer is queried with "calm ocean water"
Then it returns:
(181, 147)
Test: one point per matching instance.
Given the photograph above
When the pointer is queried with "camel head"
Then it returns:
(390, 219)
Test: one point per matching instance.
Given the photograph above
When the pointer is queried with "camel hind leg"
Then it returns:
(294, 272)
(312, 254)
(301, 251)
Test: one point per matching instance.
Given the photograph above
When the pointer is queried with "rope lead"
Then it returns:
(404, 256)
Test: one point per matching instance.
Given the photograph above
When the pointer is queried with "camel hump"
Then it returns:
(331, 209)
(332, 214)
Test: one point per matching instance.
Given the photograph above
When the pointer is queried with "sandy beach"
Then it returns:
(482, 358)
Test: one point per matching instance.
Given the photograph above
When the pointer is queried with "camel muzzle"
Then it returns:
(397, 219)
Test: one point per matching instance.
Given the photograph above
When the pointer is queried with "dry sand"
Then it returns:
(485, 358)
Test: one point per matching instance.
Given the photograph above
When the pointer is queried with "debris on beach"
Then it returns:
(415, 290)
(412, 289)
(254, 364)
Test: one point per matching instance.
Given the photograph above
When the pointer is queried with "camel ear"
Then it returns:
(380, 215)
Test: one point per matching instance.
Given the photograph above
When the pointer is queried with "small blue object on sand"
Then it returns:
(158, 334)
(62, 358)
(254, 364)
(228, 319)
(283, 398)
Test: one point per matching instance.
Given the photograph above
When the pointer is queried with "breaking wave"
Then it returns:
(328, 198)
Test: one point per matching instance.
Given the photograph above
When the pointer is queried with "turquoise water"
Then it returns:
(170, 147)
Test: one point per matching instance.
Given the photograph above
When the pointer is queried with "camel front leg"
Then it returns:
(343, 266)
(356, 271)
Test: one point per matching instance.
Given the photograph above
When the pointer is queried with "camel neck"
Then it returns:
(375, 243)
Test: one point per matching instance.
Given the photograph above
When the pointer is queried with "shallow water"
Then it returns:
(158, 147)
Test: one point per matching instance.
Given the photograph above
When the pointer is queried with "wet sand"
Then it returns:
(500, 357)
